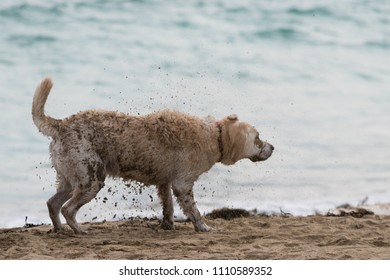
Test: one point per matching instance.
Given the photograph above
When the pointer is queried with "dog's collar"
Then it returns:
(220, 144)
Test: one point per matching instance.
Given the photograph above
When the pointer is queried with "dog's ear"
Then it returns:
(232, 117)
(236, 137)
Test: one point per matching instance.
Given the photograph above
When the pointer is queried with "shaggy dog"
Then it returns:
(167, 149)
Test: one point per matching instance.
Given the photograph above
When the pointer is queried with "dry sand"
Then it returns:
(254, 237)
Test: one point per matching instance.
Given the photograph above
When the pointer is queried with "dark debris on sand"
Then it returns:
(228, 214)
(30, 225)
(356, 213)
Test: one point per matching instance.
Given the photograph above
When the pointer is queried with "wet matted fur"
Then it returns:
(167, 149)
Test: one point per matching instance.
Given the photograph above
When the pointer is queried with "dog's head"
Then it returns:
(241, 140)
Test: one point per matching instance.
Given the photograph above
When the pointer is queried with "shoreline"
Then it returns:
(337, 236)
(382, 209)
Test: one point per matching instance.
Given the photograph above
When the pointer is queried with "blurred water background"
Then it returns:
(312, 76)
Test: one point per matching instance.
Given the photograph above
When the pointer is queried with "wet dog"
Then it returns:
(167, 149)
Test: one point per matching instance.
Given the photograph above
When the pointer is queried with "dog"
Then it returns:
(167, 149)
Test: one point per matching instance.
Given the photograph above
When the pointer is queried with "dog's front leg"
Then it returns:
(185, 198)
(164, 192)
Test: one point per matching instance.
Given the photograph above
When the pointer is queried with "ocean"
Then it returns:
(311, 76)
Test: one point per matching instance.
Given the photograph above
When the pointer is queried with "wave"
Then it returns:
(279, 33)
(315, 11)
(23, 10)
(23, 40)
(378, 44)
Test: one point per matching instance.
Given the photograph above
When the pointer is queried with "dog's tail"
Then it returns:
(47, 125)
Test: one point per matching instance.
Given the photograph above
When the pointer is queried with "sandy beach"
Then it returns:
(339, 235)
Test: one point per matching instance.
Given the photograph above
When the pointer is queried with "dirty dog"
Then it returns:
(167, 149)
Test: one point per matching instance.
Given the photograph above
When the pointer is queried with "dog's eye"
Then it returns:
(258, 142)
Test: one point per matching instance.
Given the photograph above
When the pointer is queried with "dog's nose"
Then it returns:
(272, 148)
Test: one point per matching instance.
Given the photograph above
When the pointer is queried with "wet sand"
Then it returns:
(255, 237)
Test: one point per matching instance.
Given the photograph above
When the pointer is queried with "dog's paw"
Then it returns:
(166, 225)
(80, 232)
(57, 230)
(53, 231)
(202, 227)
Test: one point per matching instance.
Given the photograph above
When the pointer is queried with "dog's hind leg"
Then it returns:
(84, 193)
(55, 203)
(164, 192)
(80, 196)
(185, 197)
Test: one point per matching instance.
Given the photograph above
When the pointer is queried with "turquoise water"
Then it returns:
(312, 76)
